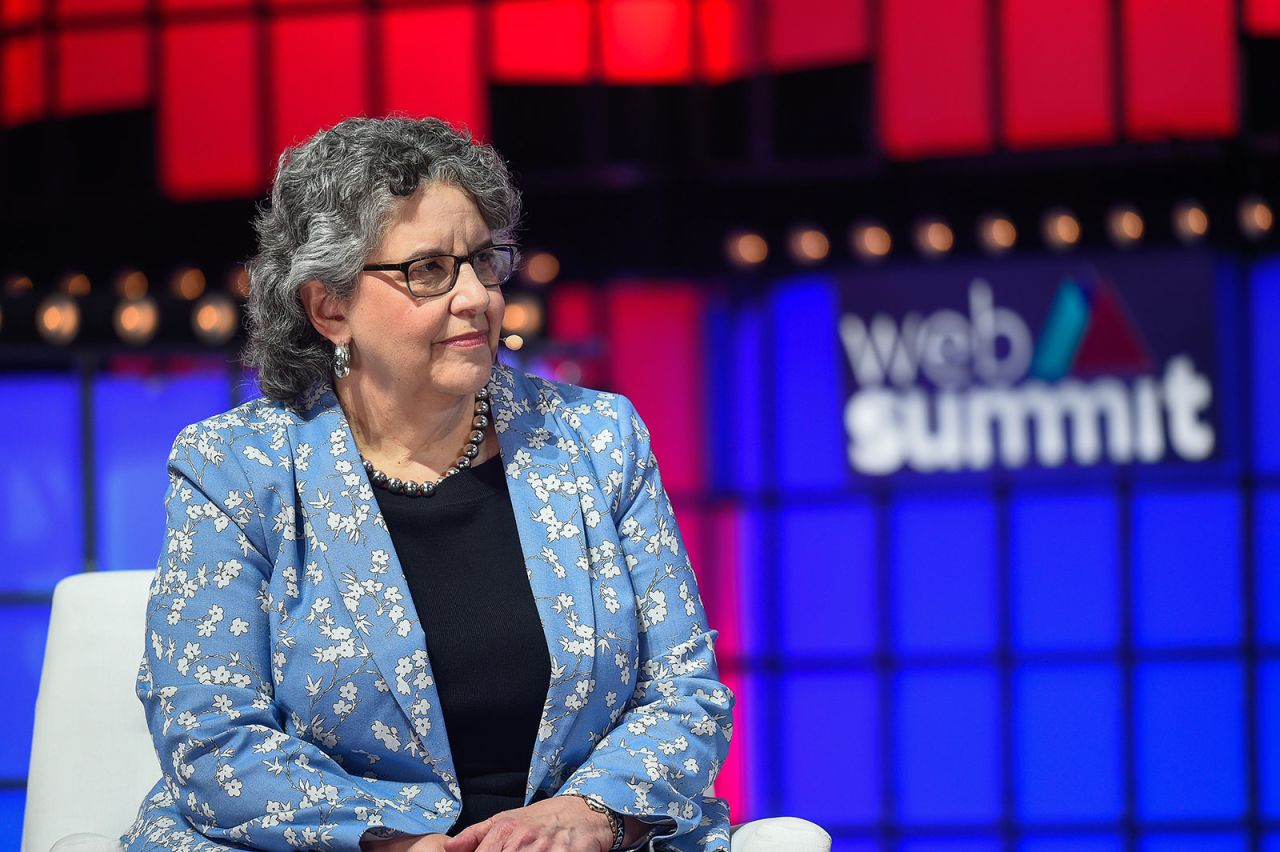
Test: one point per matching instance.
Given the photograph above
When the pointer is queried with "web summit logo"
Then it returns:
(951, 391)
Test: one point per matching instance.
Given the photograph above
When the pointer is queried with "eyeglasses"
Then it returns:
(436, 274)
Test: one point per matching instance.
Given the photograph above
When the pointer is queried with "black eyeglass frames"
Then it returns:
(436, 274)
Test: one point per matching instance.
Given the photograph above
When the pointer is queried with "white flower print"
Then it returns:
(284, 524)
(389, 735)
(257, 455)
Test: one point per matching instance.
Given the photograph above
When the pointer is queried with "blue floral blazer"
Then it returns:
(286, 680)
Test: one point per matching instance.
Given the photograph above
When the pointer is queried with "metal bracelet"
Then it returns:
(617, 824)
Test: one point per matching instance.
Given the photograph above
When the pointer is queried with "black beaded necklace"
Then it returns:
(408, 487)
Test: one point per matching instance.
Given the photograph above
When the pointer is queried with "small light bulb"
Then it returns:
(1061, 229)
(1190, 222)
(997, 234)
(746, 249)
(934, 237)
(808, 245)
(871, 241)
(1125, 225)
(1256, 218)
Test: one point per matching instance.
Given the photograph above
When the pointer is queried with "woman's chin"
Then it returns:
(464, 378)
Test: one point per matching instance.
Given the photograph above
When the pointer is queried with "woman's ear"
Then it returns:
(326, 311)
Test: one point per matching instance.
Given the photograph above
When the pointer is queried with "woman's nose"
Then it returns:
(468, 291)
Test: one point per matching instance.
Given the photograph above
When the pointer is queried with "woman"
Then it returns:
(414, 599)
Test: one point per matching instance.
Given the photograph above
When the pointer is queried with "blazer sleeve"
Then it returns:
(206, 683)
(660, 759)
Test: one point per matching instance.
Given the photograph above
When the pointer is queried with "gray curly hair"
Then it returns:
(331, 202)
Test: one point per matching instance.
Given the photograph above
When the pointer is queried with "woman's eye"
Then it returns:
(427, 270)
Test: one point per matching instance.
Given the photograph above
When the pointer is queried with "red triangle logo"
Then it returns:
(1111, 342)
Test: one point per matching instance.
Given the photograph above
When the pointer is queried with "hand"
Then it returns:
(406, 843)
(557, 824)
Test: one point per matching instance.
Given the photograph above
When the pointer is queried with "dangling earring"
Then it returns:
(341, 361)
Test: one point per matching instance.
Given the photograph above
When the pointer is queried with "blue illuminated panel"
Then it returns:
(832, 778)
(1205, 842)
(1073, 843)
(1266, 563)
(759, 599)
(947, 742)
(828, 579)
(12, 804)
(1064, 550)
(758, 758)
(808, 440)
(944, 844)
(1189, 718)
(1265, 320)
(135, 422)
(1186, 559)
(1269, 739)
(41, 482)
(848, 844)
(26, 629)
(944, 565)
(738, 362)
(1069, 747)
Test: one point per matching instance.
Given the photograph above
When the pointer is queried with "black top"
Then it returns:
(461, 555)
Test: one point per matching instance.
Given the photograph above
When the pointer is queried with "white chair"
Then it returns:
(91, 747)
(92, 760)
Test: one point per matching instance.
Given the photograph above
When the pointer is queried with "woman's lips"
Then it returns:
(468, 341)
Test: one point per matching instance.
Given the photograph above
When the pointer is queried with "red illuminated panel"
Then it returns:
(208, 111)
(540, 41)
(444, 81)
(725, 40)
(318, 66)
(1057, 73)
(693, 530)
(102, 69)
(646, 41)
(22, 68)
(571, 312)
(573, 317)
(662, 374)
(1262, 17)
(200, 5)
(732, 782)
(16, 12)
(713, 568)
(1180, 68)
(724, 601)
(311, 4)
(728, 610)
(818, 33)
(704, 534)
(934, 78)
(70, 9)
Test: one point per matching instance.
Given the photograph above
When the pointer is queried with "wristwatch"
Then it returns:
(616, 823)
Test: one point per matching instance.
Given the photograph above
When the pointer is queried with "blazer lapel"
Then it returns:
(346, 531)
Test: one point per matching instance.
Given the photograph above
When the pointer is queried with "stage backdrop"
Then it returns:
(993, 547)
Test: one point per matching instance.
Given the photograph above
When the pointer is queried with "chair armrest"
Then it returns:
(82, 842)
(779, 834)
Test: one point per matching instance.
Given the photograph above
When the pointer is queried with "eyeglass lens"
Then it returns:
(433, 274)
